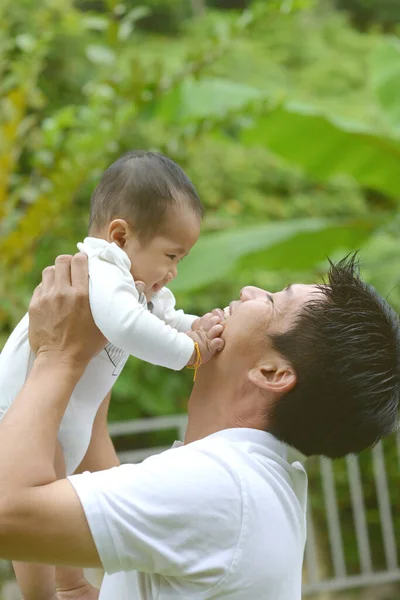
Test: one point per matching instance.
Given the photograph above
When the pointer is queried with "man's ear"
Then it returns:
(277, 378)
(118, 231)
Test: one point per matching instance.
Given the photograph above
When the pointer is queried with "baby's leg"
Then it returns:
(37, 582)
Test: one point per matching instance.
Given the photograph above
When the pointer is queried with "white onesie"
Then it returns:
(122, 315)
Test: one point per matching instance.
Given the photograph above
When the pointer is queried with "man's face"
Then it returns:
(257, 315)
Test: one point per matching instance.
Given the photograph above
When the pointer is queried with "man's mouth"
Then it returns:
(227, 311)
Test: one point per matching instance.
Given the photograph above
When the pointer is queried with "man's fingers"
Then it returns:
(48, 277)
(80, 273)
(63, 270)
(37, 292)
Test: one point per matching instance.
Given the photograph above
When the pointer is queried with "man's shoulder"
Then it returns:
(189, 471)
(205, 462)
(259, 464)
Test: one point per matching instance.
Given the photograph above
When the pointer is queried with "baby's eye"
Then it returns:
(171, 256)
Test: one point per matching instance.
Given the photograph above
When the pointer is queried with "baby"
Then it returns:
(145, 217)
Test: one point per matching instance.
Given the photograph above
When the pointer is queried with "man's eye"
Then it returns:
(171, 256)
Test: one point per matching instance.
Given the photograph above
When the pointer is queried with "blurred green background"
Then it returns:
(285, 114)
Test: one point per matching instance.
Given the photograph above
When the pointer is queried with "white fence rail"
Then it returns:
(314, 581)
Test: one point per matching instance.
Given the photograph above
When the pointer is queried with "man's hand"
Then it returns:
(61, 323)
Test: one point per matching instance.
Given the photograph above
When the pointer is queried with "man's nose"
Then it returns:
(251, 293)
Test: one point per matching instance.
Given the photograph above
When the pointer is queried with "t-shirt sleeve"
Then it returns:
(126, 323)
(176, 514)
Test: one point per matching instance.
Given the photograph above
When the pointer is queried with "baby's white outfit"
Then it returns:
(122, 314)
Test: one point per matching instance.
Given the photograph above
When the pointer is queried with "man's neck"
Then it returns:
(212, 408)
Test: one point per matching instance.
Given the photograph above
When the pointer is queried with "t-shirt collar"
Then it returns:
(245, 434)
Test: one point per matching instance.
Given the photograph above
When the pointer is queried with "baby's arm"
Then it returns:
(205, 330)
(127, 324)
(164, 308)
(37, 582)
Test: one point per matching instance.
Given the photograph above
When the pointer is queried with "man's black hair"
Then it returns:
(345, 350)
(140, 187)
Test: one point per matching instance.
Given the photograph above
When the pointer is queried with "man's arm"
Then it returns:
(37, 581)
(41, 519)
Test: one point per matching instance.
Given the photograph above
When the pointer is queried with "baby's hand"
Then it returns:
(208, 320)
(209, 342)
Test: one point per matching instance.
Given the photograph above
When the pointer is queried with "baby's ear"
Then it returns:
(118, 231)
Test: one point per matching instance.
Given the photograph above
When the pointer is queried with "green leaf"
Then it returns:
(208, 98)
(215, 255)
(128, 22)
(327, 146)
(95, 22)
(100, 55)
(385, 79)
(26, 42)
(305, 249)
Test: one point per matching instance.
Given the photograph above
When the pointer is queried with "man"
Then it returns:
(224, 514)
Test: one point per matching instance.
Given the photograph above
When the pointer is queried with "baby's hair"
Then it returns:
(140, 187)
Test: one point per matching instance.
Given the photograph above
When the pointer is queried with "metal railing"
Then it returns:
(314, 579)
(367, 575)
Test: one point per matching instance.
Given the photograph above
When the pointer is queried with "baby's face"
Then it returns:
(156, 262)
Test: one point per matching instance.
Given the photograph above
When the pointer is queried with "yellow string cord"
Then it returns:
(197, 362)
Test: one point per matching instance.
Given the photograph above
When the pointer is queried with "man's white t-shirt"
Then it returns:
(222, 517)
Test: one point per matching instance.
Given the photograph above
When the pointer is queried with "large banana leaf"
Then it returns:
(326, 146)
(288, 244)
(304, 250)
(208, 98)
(384, 70)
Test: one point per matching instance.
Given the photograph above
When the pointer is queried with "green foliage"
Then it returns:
(294, 147)
(385, 77)
(165, 16)
(366, 13)
(230, 4)
(316, 237)
(327, 146)
(76, 97)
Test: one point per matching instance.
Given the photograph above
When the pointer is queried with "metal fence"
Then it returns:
(314, 580)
